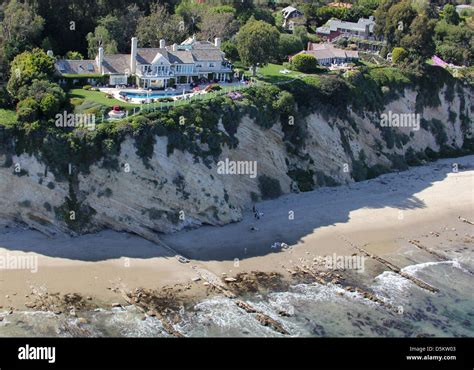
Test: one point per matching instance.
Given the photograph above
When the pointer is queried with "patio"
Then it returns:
(182, 92)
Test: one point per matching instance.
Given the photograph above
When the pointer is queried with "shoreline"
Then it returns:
(104, 266)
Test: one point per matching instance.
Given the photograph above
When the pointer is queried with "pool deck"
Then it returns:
(177, 94)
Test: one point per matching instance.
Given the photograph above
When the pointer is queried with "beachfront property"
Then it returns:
(291, 17)
(334, 28)
(327, 54)
(155, 68)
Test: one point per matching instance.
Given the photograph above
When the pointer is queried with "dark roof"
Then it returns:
(146, 55)
(196, 51)
(77, 66)
(117, 63)
(208, 54)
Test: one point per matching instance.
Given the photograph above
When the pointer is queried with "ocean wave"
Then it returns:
(413, 269)
(220, 316)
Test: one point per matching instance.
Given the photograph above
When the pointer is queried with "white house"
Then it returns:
(363, 29)
(156, 67)
(290, 14)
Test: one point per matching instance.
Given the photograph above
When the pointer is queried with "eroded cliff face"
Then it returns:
(172, 192)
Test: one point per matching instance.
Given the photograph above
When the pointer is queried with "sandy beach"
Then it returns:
(431, 204)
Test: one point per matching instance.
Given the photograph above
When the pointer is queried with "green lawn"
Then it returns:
(271, 70)
(97, 97)
(270, 73)
(7, 117)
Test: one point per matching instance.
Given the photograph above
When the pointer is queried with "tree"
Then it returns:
(400, 18)
(221, 25)
(20, 28)
(27, 110)
(363, 9)
(302, 33)
(325, 13)
(386, 26)
(288, 45)
(38, 89)
(230, 50)
(304, 63)
(398, 55)
(257, 43)
(74, 55)
(172, 28)
(455, 43)
(403, 26)
(419, 42)
(101, 37)
(50, 105)
(191, 12)
(121, 25)
(29, 66)
(450, 14)
(285, 103)
(49, 96)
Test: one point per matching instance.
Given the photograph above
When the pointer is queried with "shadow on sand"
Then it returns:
(312, 210)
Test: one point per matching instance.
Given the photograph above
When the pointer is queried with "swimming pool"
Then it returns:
(151, 95)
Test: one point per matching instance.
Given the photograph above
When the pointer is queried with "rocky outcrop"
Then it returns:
(172, 192)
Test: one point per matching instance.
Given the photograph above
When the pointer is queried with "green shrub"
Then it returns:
(27, 110)
(230, 50)
(288, 45)
(303, 178)
(50, 105)
(270, 188)
(399, 55)
(213, 87)
(304, 63)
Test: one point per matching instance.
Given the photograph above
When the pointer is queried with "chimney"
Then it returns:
(133, 56)
(175, 46)
(162, 43)
(217, 42)
(100, 60)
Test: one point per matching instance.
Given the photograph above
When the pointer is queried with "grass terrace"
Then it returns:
(271, 73)
(96, 96)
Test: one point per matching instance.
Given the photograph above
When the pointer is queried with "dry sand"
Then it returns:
(380, 215)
